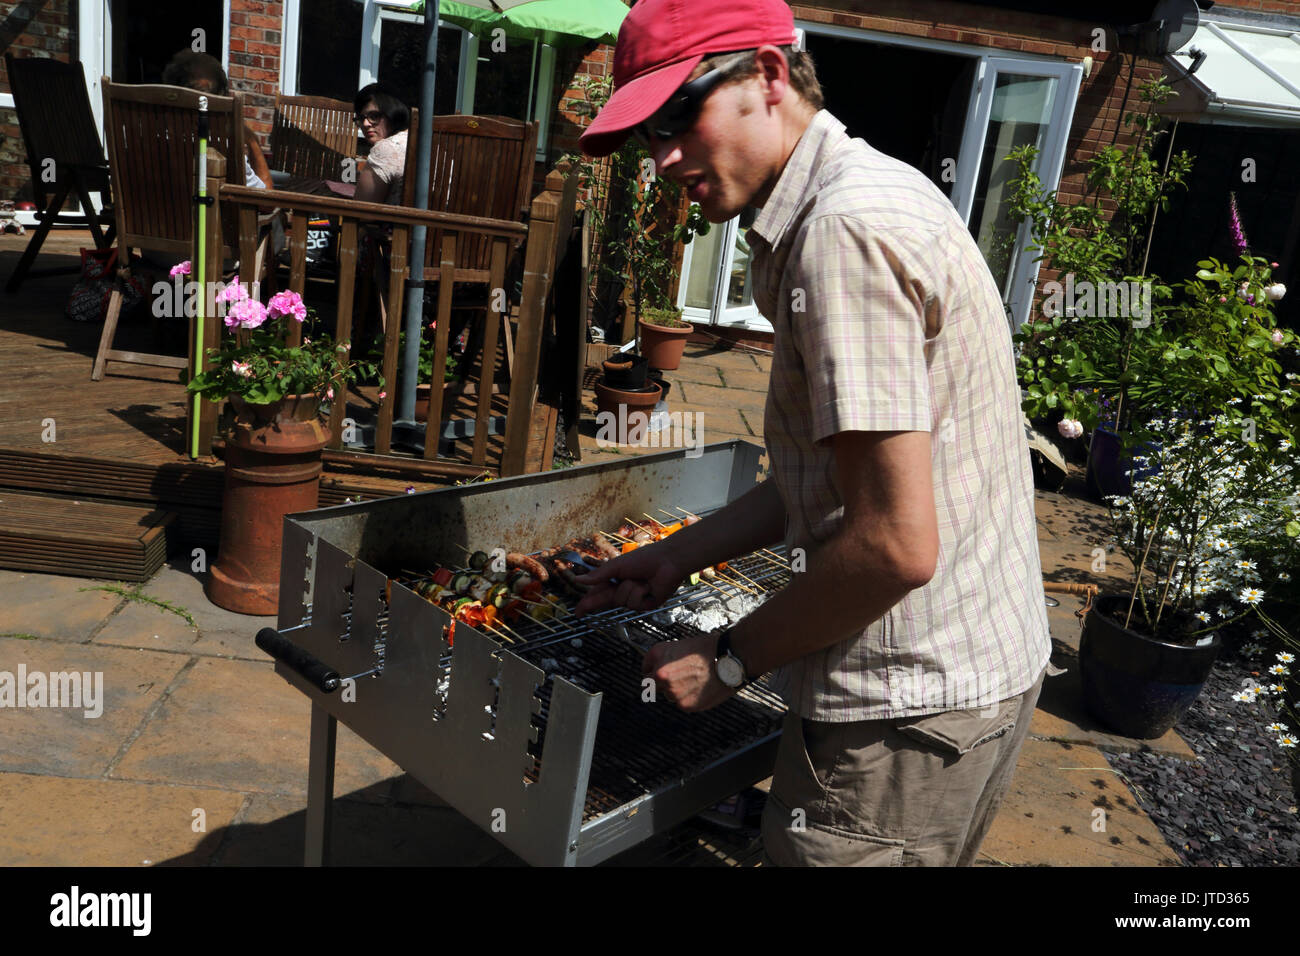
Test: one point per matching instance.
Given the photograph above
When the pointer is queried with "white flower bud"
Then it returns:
(1069, 428)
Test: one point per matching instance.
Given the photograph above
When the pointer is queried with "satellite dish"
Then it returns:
(1177, 20)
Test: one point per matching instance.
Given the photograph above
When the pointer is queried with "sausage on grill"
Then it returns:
(526, 563)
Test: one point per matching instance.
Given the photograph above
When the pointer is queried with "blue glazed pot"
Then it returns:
(1108, 467)
(1135, 685)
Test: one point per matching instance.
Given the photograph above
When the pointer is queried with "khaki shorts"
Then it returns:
(917, 791)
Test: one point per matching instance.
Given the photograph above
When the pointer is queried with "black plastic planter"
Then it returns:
(629, 379)
(1137, 686)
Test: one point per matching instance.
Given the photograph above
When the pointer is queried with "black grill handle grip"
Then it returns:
(304, 663)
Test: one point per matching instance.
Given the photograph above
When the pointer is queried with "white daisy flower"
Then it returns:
(1285, 657)
(1251, 596)
(1288, 741)
(1283, 576)
(1276, 728)
(1279, 670)
(1251, 650)
(1223, 611)
(1245, 696)
(1202, 616)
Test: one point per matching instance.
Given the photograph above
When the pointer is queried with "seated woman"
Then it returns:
(383, 120)
(203, 72)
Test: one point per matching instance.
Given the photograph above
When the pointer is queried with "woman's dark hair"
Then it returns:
(394, 110)
(197, 71)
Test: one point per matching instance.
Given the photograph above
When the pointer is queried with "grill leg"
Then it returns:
(320, 786)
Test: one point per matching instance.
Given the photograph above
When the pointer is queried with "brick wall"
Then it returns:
(1097, 112)
(33, 28)
(255, 39)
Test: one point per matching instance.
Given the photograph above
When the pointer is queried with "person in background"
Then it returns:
(203, 72)
(383, 120)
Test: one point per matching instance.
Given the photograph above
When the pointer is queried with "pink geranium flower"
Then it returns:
(234, 292)
(246, 314)
(242, 368)
(180, 269)
(287, 303)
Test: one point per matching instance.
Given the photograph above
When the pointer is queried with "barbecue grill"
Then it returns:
(544, 736)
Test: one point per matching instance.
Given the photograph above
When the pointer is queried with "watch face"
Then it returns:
(730, 671)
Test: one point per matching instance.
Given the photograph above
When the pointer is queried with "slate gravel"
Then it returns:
(1234, 806)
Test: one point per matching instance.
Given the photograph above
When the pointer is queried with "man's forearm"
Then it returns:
(754, 520)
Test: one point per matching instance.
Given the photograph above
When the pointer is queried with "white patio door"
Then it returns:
(718, 289)
(1015, 102)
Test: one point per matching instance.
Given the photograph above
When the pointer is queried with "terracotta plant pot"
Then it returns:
(630, 409)
(273, 465)
(663, 346)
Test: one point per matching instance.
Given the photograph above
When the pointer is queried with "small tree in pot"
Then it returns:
(1209, 488)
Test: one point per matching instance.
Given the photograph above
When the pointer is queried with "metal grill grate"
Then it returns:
(641, 745)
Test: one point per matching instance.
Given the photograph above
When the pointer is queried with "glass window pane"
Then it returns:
(401, 62)
(151, 33)
(1020, 114)
(329, 53)
(504, 80)
(739, 290)
(706, 259)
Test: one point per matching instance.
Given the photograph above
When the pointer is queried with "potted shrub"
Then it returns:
(663, 337)
(273, 441)
(1193, 517)
(1200, 418)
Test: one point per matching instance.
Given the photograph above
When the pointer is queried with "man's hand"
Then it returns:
(645, 579)
(684, 671)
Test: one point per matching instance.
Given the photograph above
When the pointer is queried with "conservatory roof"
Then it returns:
(1250, 75)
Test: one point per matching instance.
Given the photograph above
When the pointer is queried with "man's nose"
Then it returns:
(666, 154)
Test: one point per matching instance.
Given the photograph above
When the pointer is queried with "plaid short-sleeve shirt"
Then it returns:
(887, 319)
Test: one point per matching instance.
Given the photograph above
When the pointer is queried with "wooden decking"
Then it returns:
(122, 439)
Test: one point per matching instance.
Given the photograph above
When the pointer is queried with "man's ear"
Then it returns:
(774, 72)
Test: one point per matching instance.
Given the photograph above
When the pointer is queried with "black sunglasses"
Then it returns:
(678, 114)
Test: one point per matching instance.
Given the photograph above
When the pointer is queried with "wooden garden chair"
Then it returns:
(481, 166)
(57, 125)
(152, 138)
(312, 136)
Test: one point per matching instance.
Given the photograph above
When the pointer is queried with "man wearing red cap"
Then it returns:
(913, 645)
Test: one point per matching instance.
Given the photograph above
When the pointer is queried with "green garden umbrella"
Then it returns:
(553, 22)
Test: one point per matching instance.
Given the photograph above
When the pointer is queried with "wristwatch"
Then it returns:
(729, 668)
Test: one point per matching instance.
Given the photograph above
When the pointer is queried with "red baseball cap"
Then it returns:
(662, 41)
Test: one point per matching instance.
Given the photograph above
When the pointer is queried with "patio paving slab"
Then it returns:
(746, 379)
(62, 821)
(52, 606)
(1050, 818)
(702, 373)
(62, 740)
(710, 397)
(238, 725)
(272, 832)
(219, 633)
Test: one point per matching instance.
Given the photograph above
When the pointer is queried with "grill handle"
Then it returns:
(304, 663)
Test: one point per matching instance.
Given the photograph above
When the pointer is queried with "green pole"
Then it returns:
(200, 267)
